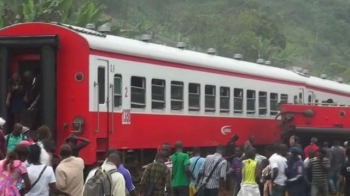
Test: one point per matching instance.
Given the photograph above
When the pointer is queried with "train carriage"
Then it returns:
(135, 95)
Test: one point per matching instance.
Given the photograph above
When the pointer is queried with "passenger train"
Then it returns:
(134, 95)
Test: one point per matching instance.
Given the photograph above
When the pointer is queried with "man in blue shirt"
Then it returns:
(196, 163)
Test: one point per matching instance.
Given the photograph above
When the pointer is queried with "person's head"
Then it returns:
(166, 148)
(295, 152)
(65, 151)
(34, 155)
(238, 151)
(313, 140)
(321, 153)
(16, 76)
(44, 133)
(345, 144)
(312, 154)
(347, 153)
(336, 143)
(178, 146)
(17, 129)
(2, 123)
(234, 138)
(33, 135)
(25, 131)
(250, 154)
(325, 145)
(196, 151)
(114, 158)
(296, 140)
(28, 76)
(283, 149)
(48, 145)
(160, 157)
(220, 149)
(252, 139)
(269, 150)
(110, 151)
(20, 152)
(265, 163)
(71, 141)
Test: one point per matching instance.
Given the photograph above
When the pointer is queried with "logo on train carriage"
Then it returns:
(226, 129)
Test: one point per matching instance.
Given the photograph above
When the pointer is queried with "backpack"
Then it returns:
(100, 183)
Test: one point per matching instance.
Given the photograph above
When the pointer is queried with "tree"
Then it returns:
(61, 11)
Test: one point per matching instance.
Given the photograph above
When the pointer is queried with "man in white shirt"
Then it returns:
(278, 164)
(118, 182)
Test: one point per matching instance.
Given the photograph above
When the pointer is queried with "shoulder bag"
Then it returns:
(195, 164)
(200, 190)
(37, 180)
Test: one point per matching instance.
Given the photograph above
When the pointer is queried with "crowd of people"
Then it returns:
(26, 169)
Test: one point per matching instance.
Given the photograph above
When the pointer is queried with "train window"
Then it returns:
(193, 97)
(138, 92)
(296, 101)
(262, 103)
(210, 94)
(250, 102)
(238, 101)
(177, 97)
(273, 103)
(224, 99)
(158, 94)
(284, 98)
(101, 79)
(309, 99)
(117, 91)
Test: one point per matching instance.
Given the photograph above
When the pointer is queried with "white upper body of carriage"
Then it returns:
(154, 88)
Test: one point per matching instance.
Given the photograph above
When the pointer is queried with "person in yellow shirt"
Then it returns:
(250, 174)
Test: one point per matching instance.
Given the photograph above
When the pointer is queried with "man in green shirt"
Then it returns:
(15, 137)
(181, 172)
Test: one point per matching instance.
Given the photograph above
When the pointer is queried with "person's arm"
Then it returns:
(26, 181)
(83, 144)
(187, 164)
(325, 164)
(144, 179)
(168, 183)
(2, 145)
(129, 185)
(223, 172)
(52, 183)
(274, 169)
(61, 179)
(119, 188)
(201, 171)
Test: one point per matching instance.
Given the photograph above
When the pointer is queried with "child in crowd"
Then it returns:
(266, 177)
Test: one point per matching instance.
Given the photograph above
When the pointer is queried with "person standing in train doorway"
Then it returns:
(32, 98)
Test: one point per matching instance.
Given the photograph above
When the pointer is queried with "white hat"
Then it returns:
(2, 122)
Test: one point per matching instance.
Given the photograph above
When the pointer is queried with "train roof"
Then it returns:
(116, 44)
(126, 46)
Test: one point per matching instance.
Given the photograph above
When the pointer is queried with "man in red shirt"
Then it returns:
(312, 146)
(2, 140)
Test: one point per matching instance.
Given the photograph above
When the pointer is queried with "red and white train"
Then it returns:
(135, 95)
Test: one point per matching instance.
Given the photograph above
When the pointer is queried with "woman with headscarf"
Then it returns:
(295, 181)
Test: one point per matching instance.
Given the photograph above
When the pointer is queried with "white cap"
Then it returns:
(345, 143)
(2, 122)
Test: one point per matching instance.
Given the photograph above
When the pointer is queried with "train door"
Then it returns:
(310, 97)
(102, 108)
(301, 96)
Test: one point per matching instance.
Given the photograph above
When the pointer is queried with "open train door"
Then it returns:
(101, 100)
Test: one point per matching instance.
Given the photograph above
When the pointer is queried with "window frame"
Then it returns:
(211, 110)
(142, 105)
(264, 109)
(120, 96)
(240, 98)
(251, 112)
(273, 112)
(179, 84)
(194, 109)
(164, 93)
(227, 96)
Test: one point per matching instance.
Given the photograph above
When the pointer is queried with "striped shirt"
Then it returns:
(319, 175)
(220, 170)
